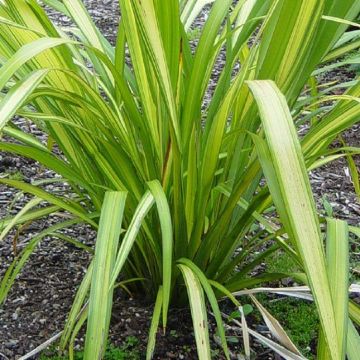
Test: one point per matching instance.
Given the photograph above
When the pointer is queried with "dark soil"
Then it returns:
(38, 303)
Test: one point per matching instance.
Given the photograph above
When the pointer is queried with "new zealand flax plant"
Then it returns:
(174, 187)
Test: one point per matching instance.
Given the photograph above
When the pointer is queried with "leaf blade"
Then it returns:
(285, 170)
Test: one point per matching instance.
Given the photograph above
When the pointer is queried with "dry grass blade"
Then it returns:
(275, 328)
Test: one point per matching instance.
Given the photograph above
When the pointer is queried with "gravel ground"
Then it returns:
(42, 295)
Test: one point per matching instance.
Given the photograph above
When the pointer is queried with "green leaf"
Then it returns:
(337, 251)
(144, 14)
(128, 241)
(198, 312)
(78, 307)
(32, 203)
(26, 53)
(212, 299)
(154, 325)
(68, 205)
(167, 243)
(191, 10)
(353, 342)
(18, 94)
(285, 171)
(17, 265)
(100, 300)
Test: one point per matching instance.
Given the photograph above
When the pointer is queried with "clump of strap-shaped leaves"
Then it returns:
(172, 185)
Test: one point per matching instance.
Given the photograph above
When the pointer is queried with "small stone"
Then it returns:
(11, 343)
